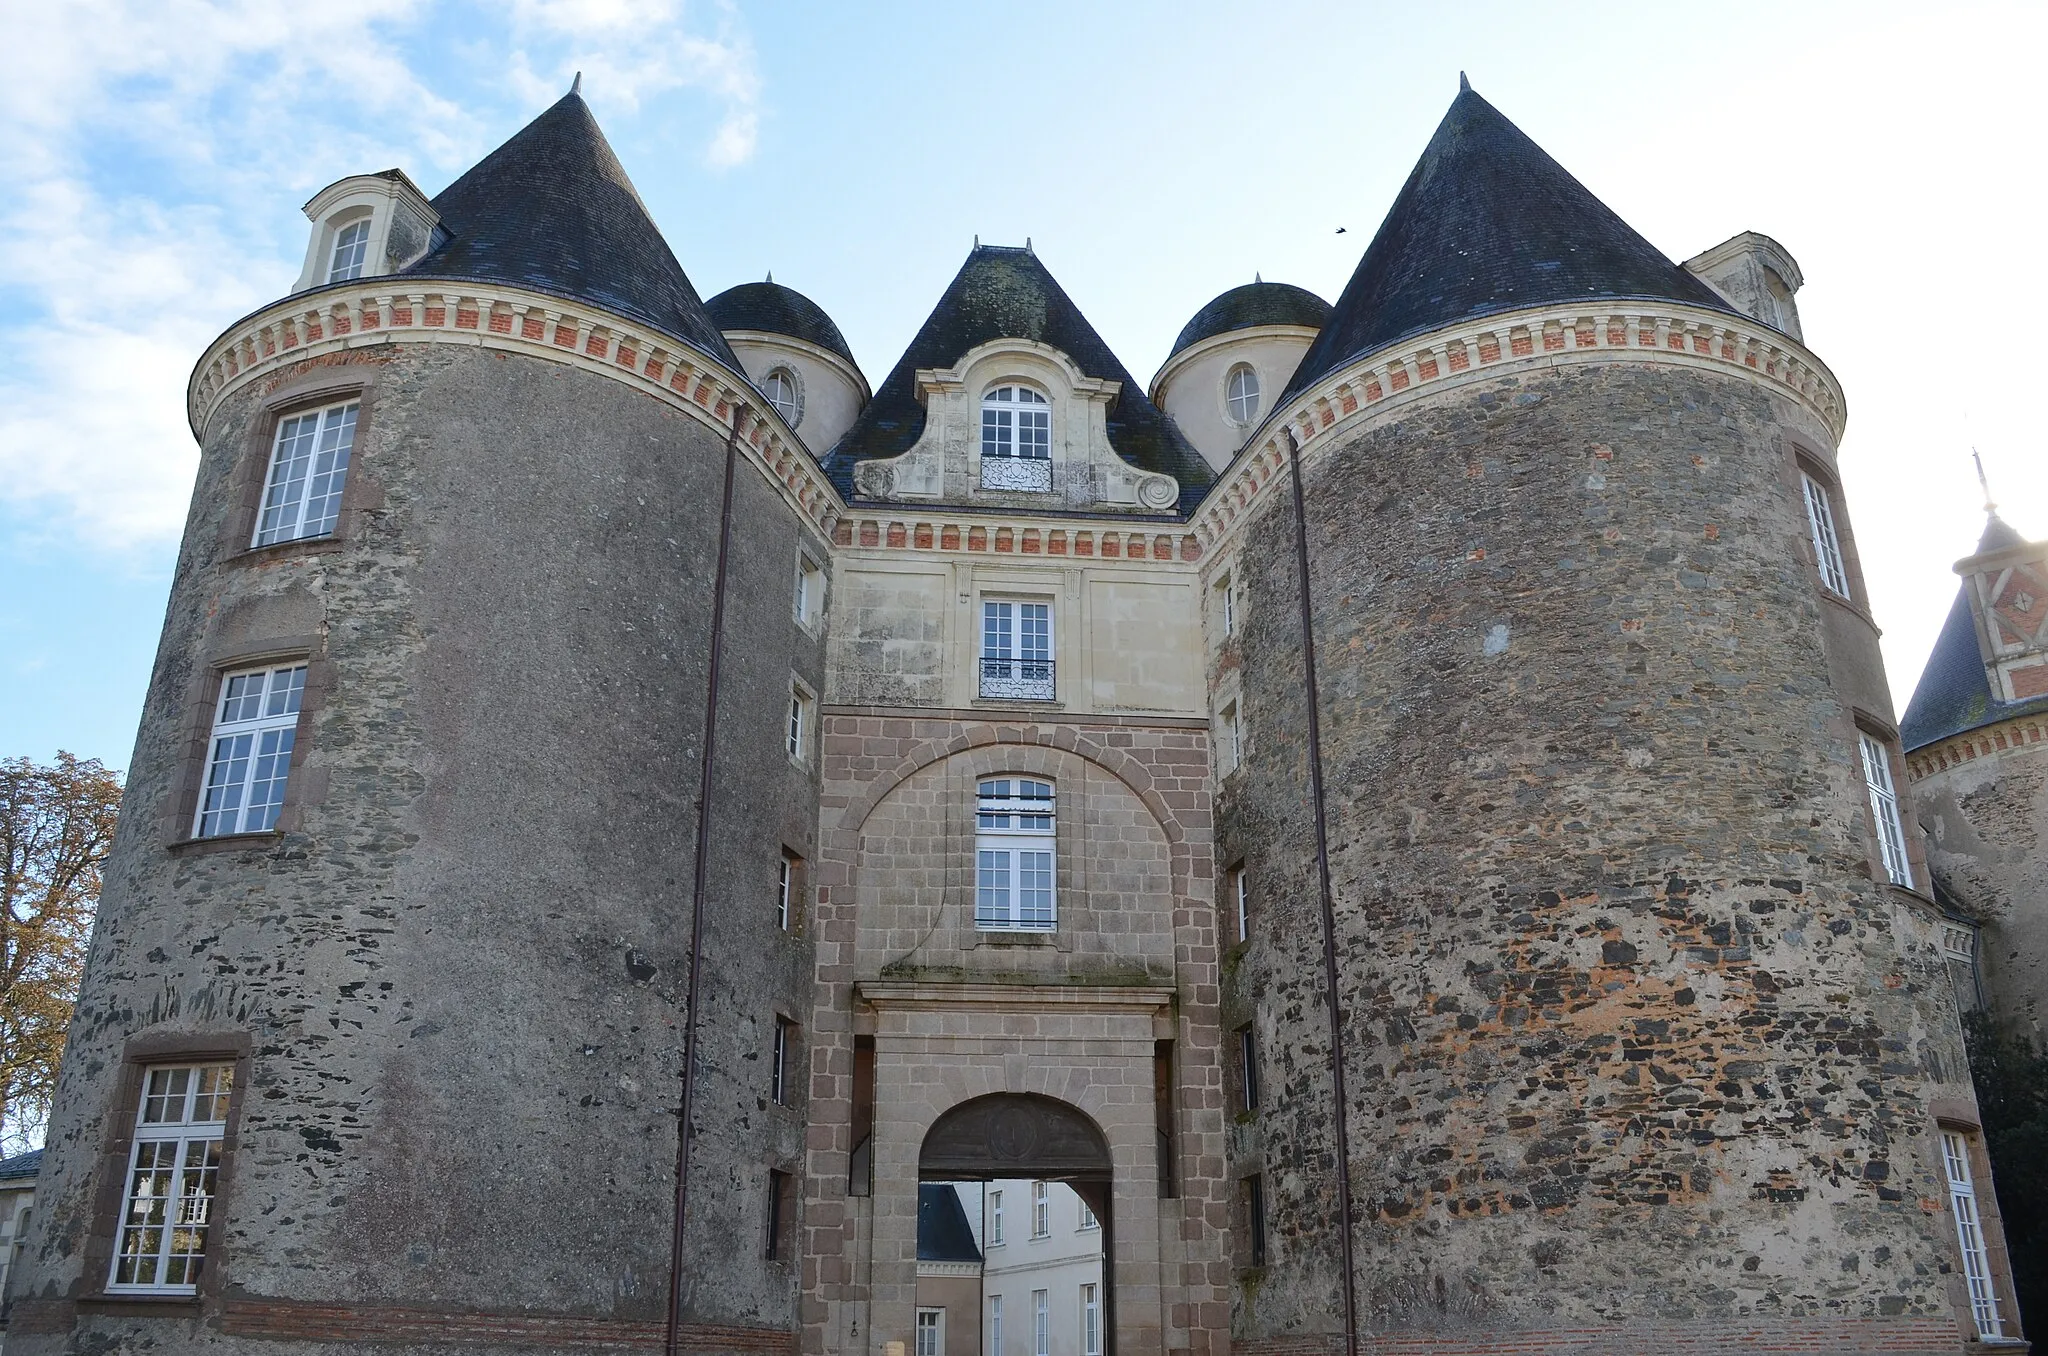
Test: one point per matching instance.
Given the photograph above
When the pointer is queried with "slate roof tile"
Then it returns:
(774, 309)
(1953, 695)
(1255, 303)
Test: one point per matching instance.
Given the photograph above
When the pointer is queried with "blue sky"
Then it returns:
(1156, 153)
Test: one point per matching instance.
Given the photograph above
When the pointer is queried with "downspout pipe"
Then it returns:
(672, 1345)
(1315, 781)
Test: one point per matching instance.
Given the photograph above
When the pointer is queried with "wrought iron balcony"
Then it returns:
(1028, 680)
(1016, 473)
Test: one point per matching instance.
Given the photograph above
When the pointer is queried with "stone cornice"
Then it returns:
(1090, 540)
(1517, 341)
(1073, 997)
(1202, 348)
(390, 310)
(1985, 742)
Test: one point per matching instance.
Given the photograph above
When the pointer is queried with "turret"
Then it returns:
(795, 356)
(1232, 359)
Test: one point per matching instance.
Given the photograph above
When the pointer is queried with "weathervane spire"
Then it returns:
(576, 85)
(1990, 504)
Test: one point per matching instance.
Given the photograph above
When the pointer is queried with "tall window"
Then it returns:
(799, 724)
(1226, 604)
(784, 885)
(1884, 809)
(1016, 440)
(1241, 393)
(995, 1218)
(1229, 740)
(1013, 855)
(1248, 1066)
(1827, 546)
(931, 1332)
(1016, 650)
(308, 464)
(254, 728)
(1091, 1320)
(1041, 1324)
(995, 1325)
(783, 393)
(351, 244)
(778, 1068)
(1962, 1200)
(1041, 1210)
(810, 591)
(172, 1170)
(1255, 1216)
(1240, 888)
(1088, 1220)
(781, 1186)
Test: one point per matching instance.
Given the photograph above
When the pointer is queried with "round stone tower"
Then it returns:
(382, 1035)
(1645, 1029)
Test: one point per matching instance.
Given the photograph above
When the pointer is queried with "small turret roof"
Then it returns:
(774, 309)
(1487, 222)
(1954, 695)
(1255, 303)
(552, 209)
(943, 1234)
(1005, 293)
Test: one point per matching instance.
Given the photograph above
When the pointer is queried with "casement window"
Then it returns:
(1041, 1324)
(1248, 1067)
(781, 1190)
(931, 1332)
(1962, 1200)
(1827, 545)
(1041, 1210)
(1241, 393)
(1016, 440)
(1226, 604)
(254, 728)
(800, 708)
(785, 889)
(779, 1064)
(1091, 1320)
(1088, 1220)
(995, 1219)
(1016, 650)
(1255, 1216)
(173, 1172)
(1884, 809)
(351, 245)
(1014, 851)
(995, 1325)
(308, 465)
(1229, 740)
(785, 395)
(809, 600)
(1959, 949)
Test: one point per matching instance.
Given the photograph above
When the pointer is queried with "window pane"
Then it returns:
(996, 623)
(992, 888)
(220, 810)
(1035, 628)
(1034, 889)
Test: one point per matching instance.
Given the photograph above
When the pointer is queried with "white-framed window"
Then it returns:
(1229, 739)
(995, 1219)
(173, 1168)
(308, 466)
(254, 728)
(1240, 889)
(1226, 604)
(800, 716)
(1016, 440)
(995, 1325)
(778, 1066)
(1884, 809)
(1962, 1200)
(785, 882)
(1014, 855)
(1088, 1220)
(1041, 1210)
(931, 1332)
(1827, 546)
(1248, 1066)
(1241, 393)
(1041, 1324)
(351, 246)
(809, 597)
(1091, 1320)
(785, 394)
(1016, 650)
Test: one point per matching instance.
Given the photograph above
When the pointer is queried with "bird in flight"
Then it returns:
(1341, 230)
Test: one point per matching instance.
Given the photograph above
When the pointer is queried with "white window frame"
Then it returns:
(808, 602)
(350, 250)
(1226, 603)
(1041, 1210)
(778, 1067)
(1962, 1200)
(995, 1219)
(786, 875)
(1884, 808)
(791, 403)
(995, 1325)
(1827, 543)
(1016, 855)
(1019, 643)
(1242, 394)
(802, 716)
(931, 1333)
(180, 1140)
(1088, 1220)
(1242, 889)
(309, 456)
(1041, 1323)
(1016, 423)
(249, 751)
(1230, 736)
(1091, 1319)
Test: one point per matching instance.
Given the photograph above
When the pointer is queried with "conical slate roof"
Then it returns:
(943, 1234)
(552, 209)
(1953, 695)
(774, 309)
(1487, 223)
(1255, 303)
(1005, 293)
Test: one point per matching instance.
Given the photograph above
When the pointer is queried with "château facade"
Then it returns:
(1403, 815)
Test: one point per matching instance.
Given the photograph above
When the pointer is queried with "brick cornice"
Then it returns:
(1518, 341)
(1985, 742)
(509, 319)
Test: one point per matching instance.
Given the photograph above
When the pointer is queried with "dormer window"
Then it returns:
(351, 246)
(1016, 439)
(783, 393)
(1241, 393)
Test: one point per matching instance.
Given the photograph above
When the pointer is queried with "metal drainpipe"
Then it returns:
(675, 1255)
(1315, 780)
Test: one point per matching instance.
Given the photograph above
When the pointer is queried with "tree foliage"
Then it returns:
(2012, 1097)
(56, 825)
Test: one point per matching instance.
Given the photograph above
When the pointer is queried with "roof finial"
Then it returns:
(771, 275)
(977, 240)
(1990, 505)
(1027, 246)
(576, 85)
(1464, 85)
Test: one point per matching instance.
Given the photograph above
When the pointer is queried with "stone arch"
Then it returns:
(1014, 1134)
